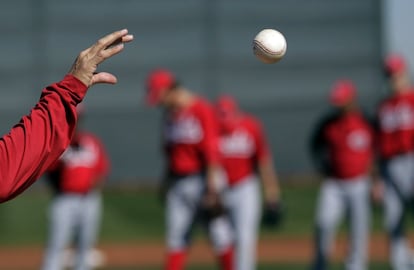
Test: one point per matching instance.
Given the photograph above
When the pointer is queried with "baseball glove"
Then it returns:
(273, 214)
(212, 206)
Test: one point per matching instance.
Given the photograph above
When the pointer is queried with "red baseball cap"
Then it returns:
(226, 104)
(394, 64)
(158, 82)
(343, 91)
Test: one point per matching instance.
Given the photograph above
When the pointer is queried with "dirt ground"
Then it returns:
(271, 250)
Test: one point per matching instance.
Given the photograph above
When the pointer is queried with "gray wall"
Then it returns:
(207, 43)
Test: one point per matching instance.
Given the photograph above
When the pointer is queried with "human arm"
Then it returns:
(270, 182)
(264, 162)
(272, 206)
(40, 137)
(210, 153)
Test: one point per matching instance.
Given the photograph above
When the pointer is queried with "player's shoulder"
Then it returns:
(86, 134)
(202, 102)
(252, 122)
(203, 105)
(328, 117)
(89, 136)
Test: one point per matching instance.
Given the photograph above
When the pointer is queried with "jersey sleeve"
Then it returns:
(40, 137)
(209, 143)
(263, 152)
(318, 144)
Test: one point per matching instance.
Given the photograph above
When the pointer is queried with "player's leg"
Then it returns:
(220, 231)
(399, 179)
(330, 209)
(244, 201)
(90, 217)
(61, 224)
(360, 212)
(221, 236)
(182, 201)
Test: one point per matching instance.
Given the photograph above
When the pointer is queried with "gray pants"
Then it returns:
(183, 203)
(243, 202)
(337, 198)
(72, 215)
(399, 194)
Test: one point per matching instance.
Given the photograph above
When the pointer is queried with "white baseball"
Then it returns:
(269, 45)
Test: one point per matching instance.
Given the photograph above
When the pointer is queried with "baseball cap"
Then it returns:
(343, 91)
(158, 82)
(226, 104)
(394, 64)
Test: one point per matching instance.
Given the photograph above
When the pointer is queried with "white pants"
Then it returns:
(244, 204)
(336, 198)
(183, 203)
(72, 215)
(399, 194)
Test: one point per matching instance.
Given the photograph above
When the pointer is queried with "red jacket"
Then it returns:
(39, 138)
(82, 167)
(396, 125)
(191, 138)
(346, 142)
(242, 148)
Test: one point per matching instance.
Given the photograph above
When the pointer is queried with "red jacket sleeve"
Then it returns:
(40, 137)
(262, 146)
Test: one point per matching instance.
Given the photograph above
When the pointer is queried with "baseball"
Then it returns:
(269, 45)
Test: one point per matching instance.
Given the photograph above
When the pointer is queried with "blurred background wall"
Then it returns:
(207, 43)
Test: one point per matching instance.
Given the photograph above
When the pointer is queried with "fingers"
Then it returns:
(116, 47)
(107, 40)
(104, 77)
(88, 60)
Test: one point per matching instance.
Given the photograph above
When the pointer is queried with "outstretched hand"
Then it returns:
(87, 62)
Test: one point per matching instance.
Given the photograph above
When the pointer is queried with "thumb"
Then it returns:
(103, 77)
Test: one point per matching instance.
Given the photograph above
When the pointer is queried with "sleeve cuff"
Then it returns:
(74, 85)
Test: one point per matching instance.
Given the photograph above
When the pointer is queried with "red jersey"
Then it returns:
(396, 125)
(81, 167)
(241, 149)
(348, 141)
(40, 137)
(190, 138)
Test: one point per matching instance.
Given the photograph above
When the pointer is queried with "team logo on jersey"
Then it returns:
(185, 129)
(84, 156)
(237, 144)
(400, 117)
(358, 140)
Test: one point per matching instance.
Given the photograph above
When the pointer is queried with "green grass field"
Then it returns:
(137, 216)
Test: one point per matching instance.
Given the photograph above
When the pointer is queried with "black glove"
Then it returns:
(212, 206)
(272, 214)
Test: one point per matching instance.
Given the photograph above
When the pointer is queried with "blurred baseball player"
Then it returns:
(32, 145)
(75, 211)
(343, 149)
(244, 149)
(395, 117)
(190, 141)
